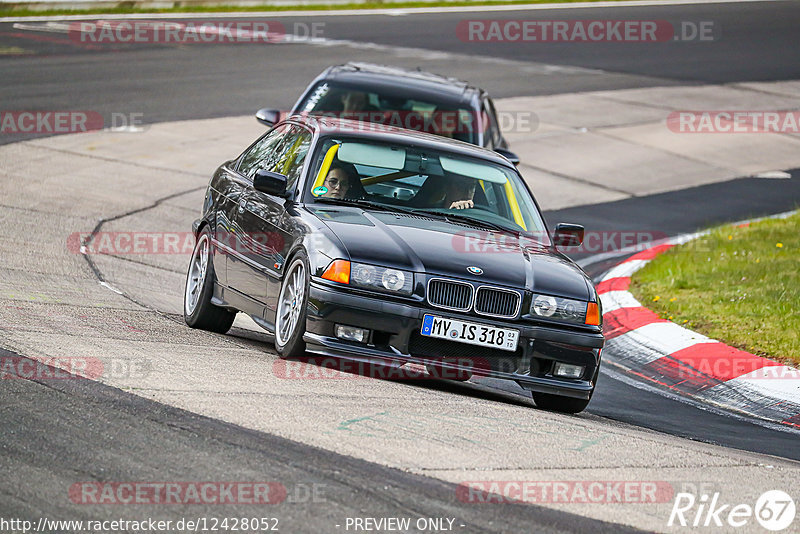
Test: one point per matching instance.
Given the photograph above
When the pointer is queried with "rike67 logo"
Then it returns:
(774, 510)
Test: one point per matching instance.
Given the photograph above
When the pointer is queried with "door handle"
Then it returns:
(242, 202)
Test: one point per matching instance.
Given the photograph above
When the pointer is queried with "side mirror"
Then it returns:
(268, 116)
(510, 156)
(568, 235)
(271, 183)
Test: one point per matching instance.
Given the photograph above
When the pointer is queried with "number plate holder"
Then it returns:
(482, 335)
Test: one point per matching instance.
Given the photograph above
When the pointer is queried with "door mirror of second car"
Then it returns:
(510, 156)
(568, 235)
(269, 182)
(268, 117)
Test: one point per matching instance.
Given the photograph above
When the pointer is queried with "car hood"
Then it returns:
(438, 247)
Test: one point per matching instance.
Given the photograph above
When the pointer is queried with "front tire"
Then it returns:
(557, 403)
(198, 311)
(290, 320)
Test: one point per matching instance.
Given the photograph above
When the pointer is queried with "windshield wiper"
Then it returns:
(363, 203)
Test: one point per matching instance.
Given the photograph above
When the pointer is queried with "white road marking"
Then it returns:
(625, 269)
(668, 338)
(399, 51)
(112, 288)
(779, 382)
(614, 300)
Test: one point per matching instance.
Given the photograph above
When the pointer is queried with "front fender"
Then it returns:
(320, 243)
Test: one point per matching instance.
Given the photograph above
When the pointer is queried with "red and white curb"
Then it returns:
(689, 363)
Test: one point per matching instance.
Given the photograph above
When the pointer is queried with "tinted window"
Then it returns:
(261, 154)
(402, 110)
(291, 154)
(283, 150)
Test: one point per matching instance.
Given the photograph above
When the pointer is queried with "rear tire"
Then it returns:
(198, 311)
(290, 319)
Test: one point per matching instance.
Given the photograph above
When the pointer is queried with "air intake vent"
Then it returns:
(450, 295)
(497, 302)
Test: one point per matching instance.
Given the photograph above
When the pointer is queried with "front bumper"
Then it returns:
(396, 340)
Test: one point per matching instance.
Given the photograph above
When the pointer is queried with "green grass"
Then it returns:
(738, 285)
(124, 7)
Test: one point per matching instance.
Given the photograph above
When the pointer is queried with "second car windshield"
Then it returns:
(426, 181)
(418, 114)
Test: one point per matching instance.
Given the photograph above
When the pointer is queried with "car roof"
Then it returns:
(324, 126)
(415, 83)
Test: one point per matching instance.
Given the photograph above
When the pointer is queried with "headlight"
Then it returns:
(370, 276)
(569, 310)
(394, 280)
(381, 278)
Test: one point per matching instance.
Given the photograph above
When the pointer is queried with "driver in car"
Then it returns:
(340, 180)
(354, 102)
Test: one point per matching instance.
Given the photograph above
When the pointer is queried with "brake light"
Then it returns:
(338, 271)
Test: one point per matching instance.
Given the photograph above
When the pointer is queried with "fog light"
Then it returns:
(351, 333)
(567, 370)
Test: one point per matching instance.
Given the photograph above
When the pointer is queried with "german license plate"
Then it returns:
(483, 335)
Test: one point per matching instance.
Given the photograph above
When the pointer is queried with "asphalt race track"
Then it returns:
(54, 434)
(168, 83)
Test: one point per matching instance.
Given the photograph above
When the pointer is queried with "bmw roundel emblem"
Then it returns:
(475, 270)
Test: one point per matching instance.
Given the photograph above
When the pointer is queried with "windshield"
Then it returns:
(424, 181)
(370, 105)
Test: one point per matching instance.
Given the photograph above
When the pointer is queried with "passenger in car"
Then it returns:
(449, 191)
(459, 192)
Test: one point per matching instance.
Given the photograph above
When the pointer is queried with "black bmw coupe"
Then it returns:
(393, 247)
(411, 99)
